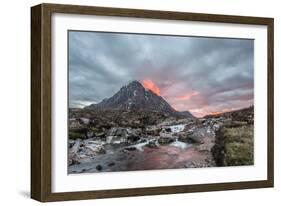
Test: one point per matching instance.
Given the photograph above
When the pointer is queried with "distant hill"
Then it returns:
(238, 115)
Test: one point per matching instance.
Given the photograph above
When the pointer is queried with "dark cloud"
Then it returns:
(199, 74)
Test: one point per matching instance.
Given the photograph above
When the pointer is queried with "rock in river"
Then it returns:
(190, 137)
(99, 167)
(152, 144)
(165, 138)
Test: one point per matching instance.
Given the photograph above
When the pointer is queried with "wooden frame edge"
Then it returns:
(270, 102)
(158, 14)
(100, 194)
(41, 102)
(36, 58)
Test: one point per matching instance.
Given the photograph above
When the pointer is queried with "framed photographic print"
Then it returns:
(130, 102)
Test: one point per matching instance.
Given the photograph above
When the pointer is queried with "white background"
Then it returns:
(15, 102)
(62, 182)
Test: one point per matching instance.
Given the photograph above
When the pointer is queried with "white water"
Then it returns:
(140, 146)
(179, 144)
(177, 128)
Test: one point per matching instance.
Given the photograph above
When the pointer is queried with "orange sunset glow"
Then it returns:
(187, 96)
(190, 100)
(149, 84)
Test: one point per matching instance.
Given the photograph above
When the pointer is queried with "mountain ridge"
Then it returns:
(134, 96)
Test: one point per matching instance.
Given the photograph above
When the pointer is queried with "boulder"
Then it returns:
(201, 120)
(100, 135)
(116, 139)
(99, 167)
(70, 143)
(73, 161)
(75, 147)
(96, 149)
(90, 134)
(189, 138)
(165, 135)
(130, 148)
(117, 131)
(153, 130)
(217, 126)
(133, 138)
(133, 135)
(168, 129)
(152, 144)
(165, 138)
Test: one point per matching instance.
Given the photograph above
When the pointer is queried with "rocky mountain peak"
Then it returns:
(134, 96)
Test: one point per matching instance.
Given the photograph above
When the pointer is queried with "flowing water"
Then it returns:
(140, 157)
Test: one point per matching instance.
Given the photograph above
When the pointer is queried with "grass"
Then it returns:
(77, 133)
(238, 145)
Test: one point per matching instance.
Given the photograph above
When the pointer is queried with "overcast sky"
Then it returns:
(202, 75)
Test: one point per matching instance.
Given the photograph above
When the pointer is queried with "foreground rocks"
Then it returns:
(125, 140)
(103, 152)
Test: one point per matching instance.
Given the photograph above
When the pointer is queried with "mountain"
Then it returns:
(245, 114)
(135, 97)
(184, 114)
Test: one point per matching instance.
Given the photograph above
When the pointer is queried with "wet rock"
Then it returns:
(153, 130)
(130, 148)
(142, 141)
(111, 164)
(137, 121)
(71, 143)
(73, 159)
(70, 161)
(75, 147)
(217, 126)
(133, 138)
(121, 132)
(84, 151)
(133, 135)
(99, 167)
(116, 139)
(96, 149)
(117, 131)
(84, 121)
(189, 137)
(187, 140)
(165, 138)
(90, 134)
(152, 144)
(100, 135)
(168, 129)
(109, 139)
(201, 121)
(165, 135)
(176, 128)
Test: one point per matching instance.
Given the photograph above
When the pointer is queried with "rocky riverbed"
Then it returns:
(104, 141)
(169, 144)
